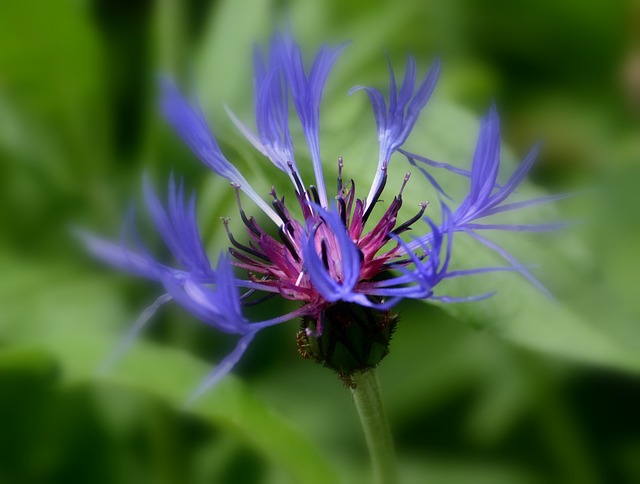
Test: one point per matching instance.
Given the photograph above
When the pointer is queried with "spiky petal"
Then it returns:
(344, 269)
(396, 121)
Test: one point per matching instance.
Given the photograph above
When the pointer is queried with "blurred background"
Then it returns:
(543, 391)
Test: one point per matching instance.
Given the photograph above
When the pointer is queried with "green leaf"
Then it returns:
(518, 312)
(172, 375)
(60, 80)
(224, 59)
(73, 322)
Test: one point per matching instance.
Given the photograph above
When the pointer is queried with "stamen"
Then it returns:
(376, 197)
(350, 195)
(259, 300)
(340, 165)
(299, 279)
(278, 206)
(404, 183)
(249, 292)
(289, 228)
(407, 225)
(314, 194)
(402, 262)
(288, 244)
(235, 243)
(258, 266)
(251, 224)
(325, 255)
(342, 209)
(299, 188)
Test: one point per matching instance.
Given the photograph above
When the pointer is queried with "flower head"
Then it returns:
(345, 270)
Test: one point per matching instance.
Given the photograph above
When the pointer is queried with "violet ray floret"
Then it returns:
(343, 263)
(396, 121)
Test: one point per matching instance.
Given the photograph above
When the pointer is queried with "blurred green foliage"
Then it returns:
(515, 389)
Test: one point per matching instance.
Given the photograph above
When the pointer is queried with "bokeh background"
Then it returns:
(519, 389)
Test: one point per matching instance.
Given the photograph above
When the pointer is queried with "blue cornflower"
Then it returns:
(345, 277)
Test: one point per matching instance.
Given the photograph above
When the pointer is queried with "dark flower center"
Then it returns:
(347, 338)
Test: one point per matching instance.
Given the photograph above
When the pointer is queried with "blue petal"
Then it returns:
(396, 122)
(219, 307)
(520, 227)
(435, 164)
(517, 177)
(484, 174)
(378, 105)
(322, 280)
(419, 100)
(479, 297)
(118, 256)
(189, 122)
(306, 93)
(486, 159)
(272, 110)
(179, 228)
(512, 260)
(526, 203)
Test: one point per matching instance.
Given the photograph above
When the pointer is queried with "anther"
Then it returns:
(351, 195)
(376, 197)
(325, 255)
(296, 179)
(342, 209)
(314, 194)
(249, 292)
(235, 243)
(249, 223)
(288, 244)
(259, 300)
(407, 225)
(278, 206)
(404, 183)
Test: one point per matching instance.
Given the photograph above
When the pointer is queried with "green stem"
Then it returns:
(376, 428)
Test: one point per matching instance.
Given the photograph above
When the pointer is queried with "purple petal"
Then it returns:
(526, 203)
(395, 123)
(486, 159)
(418, 102)
(246, 132)
(517, 177)
(190, 124)
(429, 177)
(179, 228)
(449, 299)
(435, 164)
(331, 289)
(518, 227)
(378, 105)
(219, 306)
(512, 260)
(306, 93)
(122, 258)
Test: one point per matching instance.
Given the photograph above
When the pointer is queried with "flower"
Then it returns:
(344, 269)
